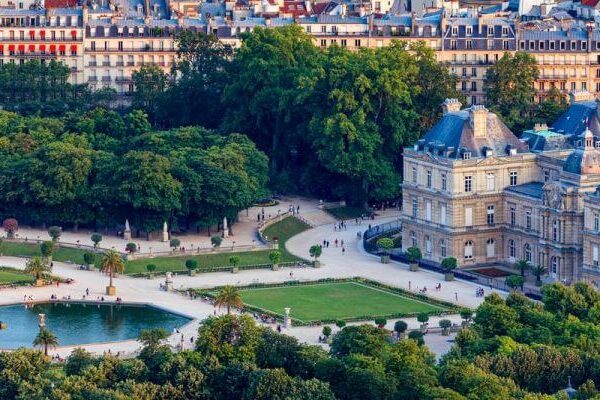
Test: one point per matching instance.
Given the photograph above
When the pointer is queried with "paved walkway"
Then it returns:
(335, 264)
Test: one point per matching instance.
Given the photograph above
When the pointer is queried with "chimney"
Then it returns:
(147, 8)
(451, 105)
(478, 116)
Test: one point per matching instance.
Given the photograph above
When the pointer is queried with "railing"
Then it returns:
(262, 226)
(28, 240)
(197, 251)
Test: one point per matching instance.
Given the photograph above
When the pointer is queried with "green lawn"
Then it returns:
(331, 301)
(346, 212)
(32, 249)
(284, 229)
(10, 275)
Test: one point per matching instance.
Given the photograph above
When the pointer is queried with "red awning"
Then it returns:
(62, 47)
(42, 47)
(11, 47)
(52, 48)
(21, 47)
(32, 48)
(42, 33)
(73, 48)
(73, 34)
(1, 48)
(31, 33)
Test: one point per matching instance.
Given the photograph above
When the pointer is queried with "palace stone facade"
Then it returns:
(475, 191)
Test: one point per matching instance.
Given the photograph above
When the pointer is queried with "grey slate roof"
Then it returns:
(454, 130)
(531, 189)
(573, 162)
(573, 121)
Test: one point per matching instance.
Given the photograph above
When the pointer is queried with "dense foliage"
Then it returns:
(99, 168)
(332, 121)
(516, 349)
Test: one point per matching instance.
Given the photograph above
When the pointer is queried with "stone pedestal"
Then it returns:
(111, 290)
(165, 232)
(287, 320)
(169, 281)
(225, 228)
(127, 232)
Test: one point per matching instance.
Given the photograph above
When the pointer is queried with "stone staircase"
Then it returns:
(317, 218)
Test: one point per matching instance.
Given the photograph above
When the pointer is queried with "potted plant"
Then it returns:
(423, 318)
(326, 331)
(234, 261)
(46, 248)
(449, 264)
(131, 248)
(96, 238)
(38, 269)
(413, 254)
(515, 281)
(216, 241)
(538, 271)
(55, 232)
(466, 315)
(192, 266)
(11, 226)
(89, 258)
(445, 324)
(316, 251)
(522, 265)
(400, 328)
(417, 337)
(385, 244)
(174, 244)
(275, 257)
(380, 322)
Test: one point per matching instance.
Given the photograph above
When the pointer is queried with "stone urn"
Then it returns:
(111, 290)
(385, 259)
(316, 264)
(275, 267)
(235, 270)
(414, 267)
(449, 276)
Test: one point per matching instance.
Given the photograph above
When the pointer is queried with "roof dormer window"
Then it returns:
(469, 30)
(490, 30)
(467, 155)
(454, 30)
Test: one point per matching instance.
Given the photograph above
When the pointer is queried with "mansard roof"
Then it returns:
(577, 117)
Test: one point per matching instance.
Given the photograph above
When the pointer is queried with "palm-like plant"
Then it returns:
(45, 339)
(112, 263)
(522, 265)
(538, 271)
(229, 296)
(37, 267)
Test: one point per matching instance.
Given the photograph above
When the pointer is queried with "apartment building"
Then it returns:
(476, 192)
(51, 34)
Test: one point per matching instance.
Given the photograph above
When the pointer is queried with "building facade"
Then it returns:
(474, 191)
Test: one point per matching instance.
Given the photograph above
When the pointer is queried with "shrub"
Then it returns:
(46, 248)
(400, 326)
(11, 226)
(445, 323)
(89, 258)
(55, 232)
(151, 268)
(315, 251)
(385, 244)
(340, 323)
(131, 247)
(380, 322)
(449, 264)
(466, 314)
(423, 317)
(234, 261)
(216, 240)
(191, 264)
(174, 243)
(413, 254)
(96, 239)
(275, 256)
(326, 331)
(417, 337)
(515, 281)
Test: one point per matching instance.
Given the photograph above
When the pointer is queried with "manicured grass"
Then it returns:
(284, 229)
(330, 301)
(347, 212)
(33, 249)
(10, 275)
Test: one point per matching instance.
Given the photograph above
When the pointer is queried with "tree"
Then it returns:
(275, 257)
(191, 264)
(449, 264)
(358, 339)
(152, 337)
(340, 323)
(151, 268)
(234, 261)
(515, 281)
(385, 244)
(89, 258)
(174, 243)
(326, 331)
(37, 268)
(509, 87)
(55, 232)
(131, 248)
(380, 322)
(216, 240)
(229, 338)
(413, 254)
(112, 263)
(11, 226)
(46, 249)
(423, 318)
(466, 314)
(150, 83)
(229, 296)
(538, 271)
(400, 327)
(45, 339)
(79, 361)
(445, 324)
(417, 337)
(96, 238)
(522, 265)
(315, 251)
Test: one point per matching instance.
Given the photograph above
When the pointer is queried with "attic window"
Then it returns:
(597, 144)
(467, 155)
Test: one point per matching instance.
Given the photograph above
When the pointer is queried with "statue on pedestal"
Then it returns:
(168, 281)
(42, 320)
(225, 228)
(165, 233)
(287, 320)
(127, 232)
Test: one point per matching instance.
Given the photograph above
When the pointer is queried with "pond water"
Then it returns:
(78, 323)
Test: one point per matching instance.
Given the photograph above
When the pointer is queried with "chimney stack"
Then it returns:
(478, 115)
(451, 105)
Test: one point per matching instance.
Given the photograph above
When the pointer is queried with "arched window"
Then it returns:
(443, 249)
(427, 245)
(491, 248)
(468, 250)
(512, 250)
(555, 230)
(413, 239)
(554, 266)
(527, 252)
